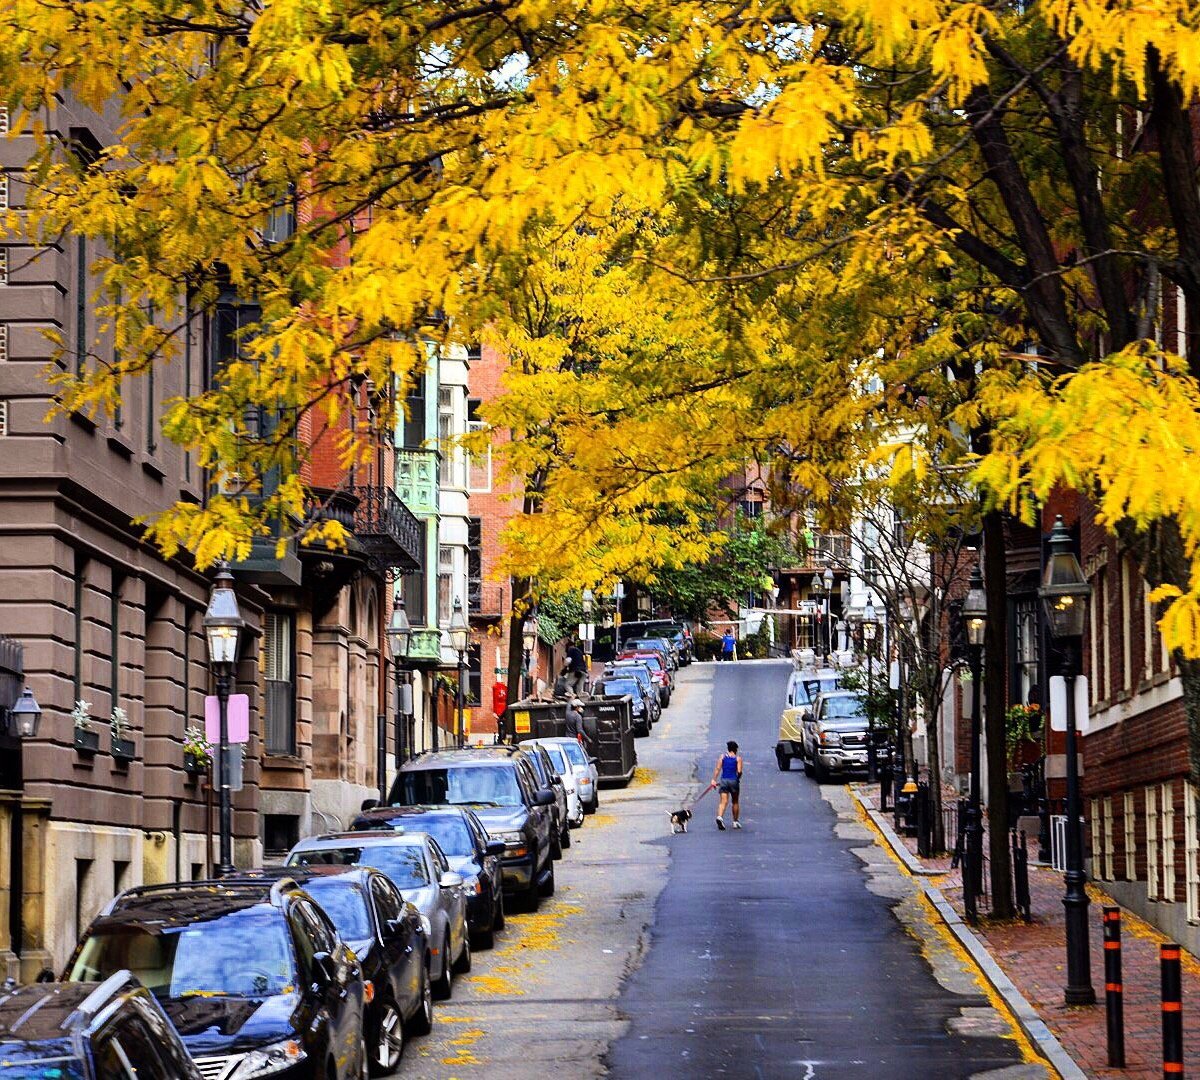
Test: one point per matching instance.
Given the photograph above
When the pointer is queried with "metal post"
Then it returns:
(872, 756)
(973, 868)
(528, 676)
(224, 685)
(460, 700)
(1079, 990)
(401, 717)
(1114, 999)
(1172, 1011)
(381, 755)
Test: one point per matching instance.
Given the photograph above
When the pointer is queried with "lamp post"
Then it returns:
(588, 629)
(223, 625)
(869, 629)
(460, 633)
(828, 580)
(974, 613)
(529, 637)
(1065, 594)
(815, 587)
(399, 638)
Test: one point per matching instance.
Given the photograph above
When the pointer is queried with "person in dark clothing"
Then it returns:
(728, 644)
(576, 670)
(575, 720)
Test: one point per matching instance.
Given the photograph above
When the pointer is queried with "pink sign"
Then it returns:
(239, 718)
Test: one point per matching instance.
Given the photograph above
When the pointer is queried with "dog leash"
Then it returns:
(696, 801)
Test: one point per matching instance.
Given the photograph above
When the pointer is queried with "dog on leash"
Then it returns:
(679, 820)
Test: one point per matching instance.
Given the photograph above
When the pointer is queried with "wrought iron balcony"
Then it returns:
(387, 530)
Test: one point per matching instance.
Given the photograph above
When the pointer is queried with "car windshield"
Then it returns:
(654, 663)
(640, 673)
(404, 863)
(557, 759)
(621, 686)
(345, 904)
(575, 753)
(837, 708)
(451, 833)
(482, 785)
(539, 766)
(807, 691)
(243, 954)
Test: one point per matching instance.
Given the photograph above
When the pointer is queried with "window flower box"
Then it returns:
(123, 749)
(87, 741)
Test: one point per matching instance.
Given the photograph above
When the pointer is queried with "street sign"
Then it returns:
(808, 607)
(1058, 703)
(238, 722)
(521, 722)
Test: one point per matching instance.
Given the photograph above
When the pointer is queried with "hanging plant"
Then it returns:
(1022, 725)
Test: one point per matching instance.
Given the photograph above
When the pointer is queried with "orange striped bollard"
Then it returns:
(1172, 1011)
(1114, 994)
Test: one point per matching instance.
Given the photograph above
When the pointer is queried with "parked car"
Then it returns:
(587, 776)
(835, 735)
(499, 784)
(804, 685)
(86, 1031)
(469, 850)
(639, 670)
(252, 974)
(390, 938)
(658, 670)
(416, 866)
(681, 638)
(658, 644)
(566, 775)
(547, 776)
(620, 685)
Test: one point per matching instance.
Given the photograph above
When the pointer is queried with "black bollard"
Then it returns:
(1172, 1011)
(1114, 993)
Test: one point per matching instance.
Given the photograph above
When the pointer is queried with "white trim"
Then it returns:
(1130, 824)
(1097, 838)
(1191, 854)
(1168, 842)
(1106, 811)
(1152, 697)
(1152, 852)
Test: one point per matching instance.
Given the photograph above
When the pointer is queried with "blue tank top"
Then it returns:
(729, 767)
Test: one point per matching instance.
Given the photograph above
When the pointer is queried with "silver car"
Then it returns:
(418, 868)
(562, 766)
(835, 734)
(587, 779)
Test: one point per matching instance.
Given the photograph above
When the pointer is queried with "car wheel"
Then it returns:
(808, 769)
(548, 888)
(555, 845)
(822, 773)
(421, 1022)
(443, 986)
(463, 964)
(484, 939)
(389, 1043)
(785, 762)
(498, 914)
(564, 841)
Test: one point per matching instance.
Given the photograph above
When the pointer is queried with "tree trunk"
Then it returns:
(995, 680)
(516, 645)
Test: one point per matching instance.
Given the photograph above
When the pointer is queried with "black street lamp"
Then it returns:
(223, 626)
(399, 638)
(869, 629)
(460, 635)
(24, 716)
(974, 613)
(1065, 594)
(529, 638)
(828, 591)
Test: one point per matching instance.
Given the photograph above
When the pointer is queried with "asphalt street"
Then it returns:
(772, 956)
(792, 948)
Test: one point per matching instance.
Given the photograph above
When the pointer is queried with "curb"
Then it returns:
(1026, 1016)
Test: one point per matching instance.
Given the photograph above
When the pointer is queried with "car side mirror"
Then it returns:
(394, 926)
(324, 969)
(368, 804)
(543, 797)
(494, 847)
(451, 880)
(593, 761)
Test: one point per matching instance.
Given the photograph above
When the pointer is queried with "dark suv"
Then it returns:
(499, 784)
(252, 974)
(84, 1031)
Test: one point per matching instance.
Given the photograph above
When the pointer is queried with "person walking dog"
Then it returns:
(728, 778)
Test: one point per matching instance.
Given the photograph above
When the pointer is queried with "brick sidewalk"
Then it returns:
(1033, 956)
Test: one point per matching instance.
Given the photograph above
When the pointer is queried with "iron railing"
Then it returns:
(387, 529)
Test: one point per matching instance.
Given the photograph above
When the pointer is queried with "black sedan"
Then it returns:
(469, 850)
(391, 941)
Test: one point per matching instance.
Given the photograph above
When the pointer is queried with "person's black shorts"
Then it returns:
(729, 787)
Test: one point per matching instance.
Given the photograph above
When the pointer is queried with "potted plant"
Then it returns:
(197, 751)
(87, 738)
(122, 747)
(1022, 734)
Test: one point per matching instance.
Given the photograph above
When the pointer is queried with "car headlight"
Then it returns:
(830, 738)
(269, 1059)
(426, 926)
(473, 884)
(509, 838)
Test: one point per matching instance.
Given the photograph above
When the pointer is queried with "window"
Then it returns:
(1130, 820)
(1025, 621)
(3, 417)
(479, 465)
(871, 545)
(446, 475)
(445, 583)
(1152, 843)
(1191, 853)
(81, 302)
(3, 341)
(1106, 810)
(3, 119)
(3, 266)
(1148, 632)
(1126, 624)
(474, 687)
(474, 565)
(1105, 635)
(1094, 641)
(1097, 838)
(388, 902)
(80, 567)
(413, 589)
(752, 507)
(1168, 842)
(414, 419)
(276, 660)
(114, 623)
(3, 191)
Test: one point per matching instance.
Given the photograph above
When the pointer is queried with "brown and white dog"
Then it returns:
(679, 820)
